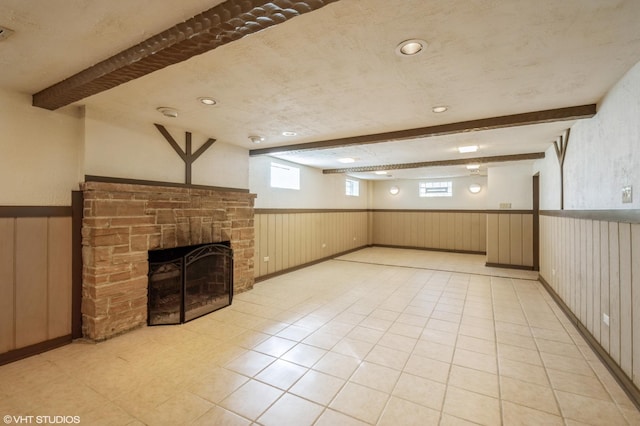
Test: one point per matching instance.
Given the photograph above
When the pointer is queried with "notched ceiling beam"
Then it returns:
(528, 118)
(440, 163)
(215, 27)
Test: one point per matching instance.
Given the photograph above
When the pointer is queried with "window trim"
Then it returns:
(424, 186)
(290, 182)
(355, 187)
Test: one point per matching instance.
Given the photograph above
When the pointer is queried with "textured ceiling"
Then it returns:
(333, 73)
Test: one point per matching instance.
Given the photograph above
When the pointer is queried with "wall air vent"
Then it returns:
(5, 33)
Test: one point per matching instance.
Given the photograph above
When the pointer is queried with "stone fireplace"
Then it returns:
(123, 222)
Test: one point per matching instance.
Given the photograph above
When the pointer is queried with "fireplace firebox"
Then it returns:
(188, 282)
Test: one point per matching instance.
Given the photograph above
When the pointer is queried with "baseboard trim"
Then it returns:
(507, 266)
(623, 380)
(429, 249)
(38, 348)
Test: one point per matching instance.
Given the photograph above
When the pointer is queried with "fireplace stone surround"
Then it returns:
(122, 222)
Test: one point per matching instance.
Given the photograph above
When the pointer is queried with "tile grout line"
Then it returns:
(595, 373)
(455, 345)
(495, 331)
(535, 341)
(487, 274)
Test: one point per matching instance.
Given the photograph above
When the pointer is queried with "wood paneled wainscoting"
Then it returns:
(510, 239)
(289, 238)
(590, 262)
(451, 230)
(36, 250)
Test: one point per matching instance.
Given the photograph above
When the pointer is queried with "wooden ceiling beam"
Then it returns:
(222, 24)
(440, 163)
(525, 119)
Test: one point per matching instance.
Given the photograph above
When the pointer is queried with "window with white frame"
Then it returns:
(283, 176)
(352, 187)
(435, 189)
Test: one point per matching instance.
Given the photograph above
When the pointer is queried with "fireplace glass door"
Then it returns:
(188, 282)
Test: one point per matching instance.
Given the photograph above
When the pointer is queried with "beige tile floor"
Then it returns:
(438, 340)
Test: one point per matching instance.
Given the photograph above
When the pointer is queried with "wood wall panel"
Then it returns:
(595, 263)
(443, 220)
(294, 239)
(635, 302)
(626, 320)
(59, 273)
(7, 284)
(31, 281)
(587, 254)
(504, 239)
(35, 280)
(527, 239)
(509, 239)
(614, 292)
(594, 267)
(483, 232)
(440, 230)
(604, 282)
(515, 239)
(474, 232)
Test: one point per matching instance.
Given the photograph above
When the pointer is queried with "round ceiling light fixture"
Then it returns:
(394, 190)
(168, 112)
(206, 100)
(346, 160)
(411, 47)
(289, 134)
(439, 109)
(474, 188)
(256, 139)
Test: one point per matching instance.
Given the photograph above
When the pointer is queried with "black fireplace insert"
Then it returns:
(188, 282)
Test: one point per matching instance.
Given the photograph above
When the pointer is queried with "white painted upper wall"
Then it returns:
(549, 170)
(45, 155)
(125, 148)
(317, 190)
(510, 184)
(603, 155)
(40, 153)
(408, 198)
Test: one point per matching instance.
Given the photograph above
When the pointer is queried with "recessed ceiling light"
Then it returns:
(464, 149)
(381, 172)
(256, 139)
(439, 109)
(289, 134)
(411, 47)
(208, 101)
(346, 160)
(473, 166)
(168, 112)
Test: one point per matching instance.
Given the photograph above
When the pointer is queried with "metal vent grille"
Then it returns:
(5, 33)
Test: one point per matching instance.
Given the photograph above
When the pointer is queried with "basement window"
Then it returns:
(435, 189)
(286, 177)
(352, 188)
